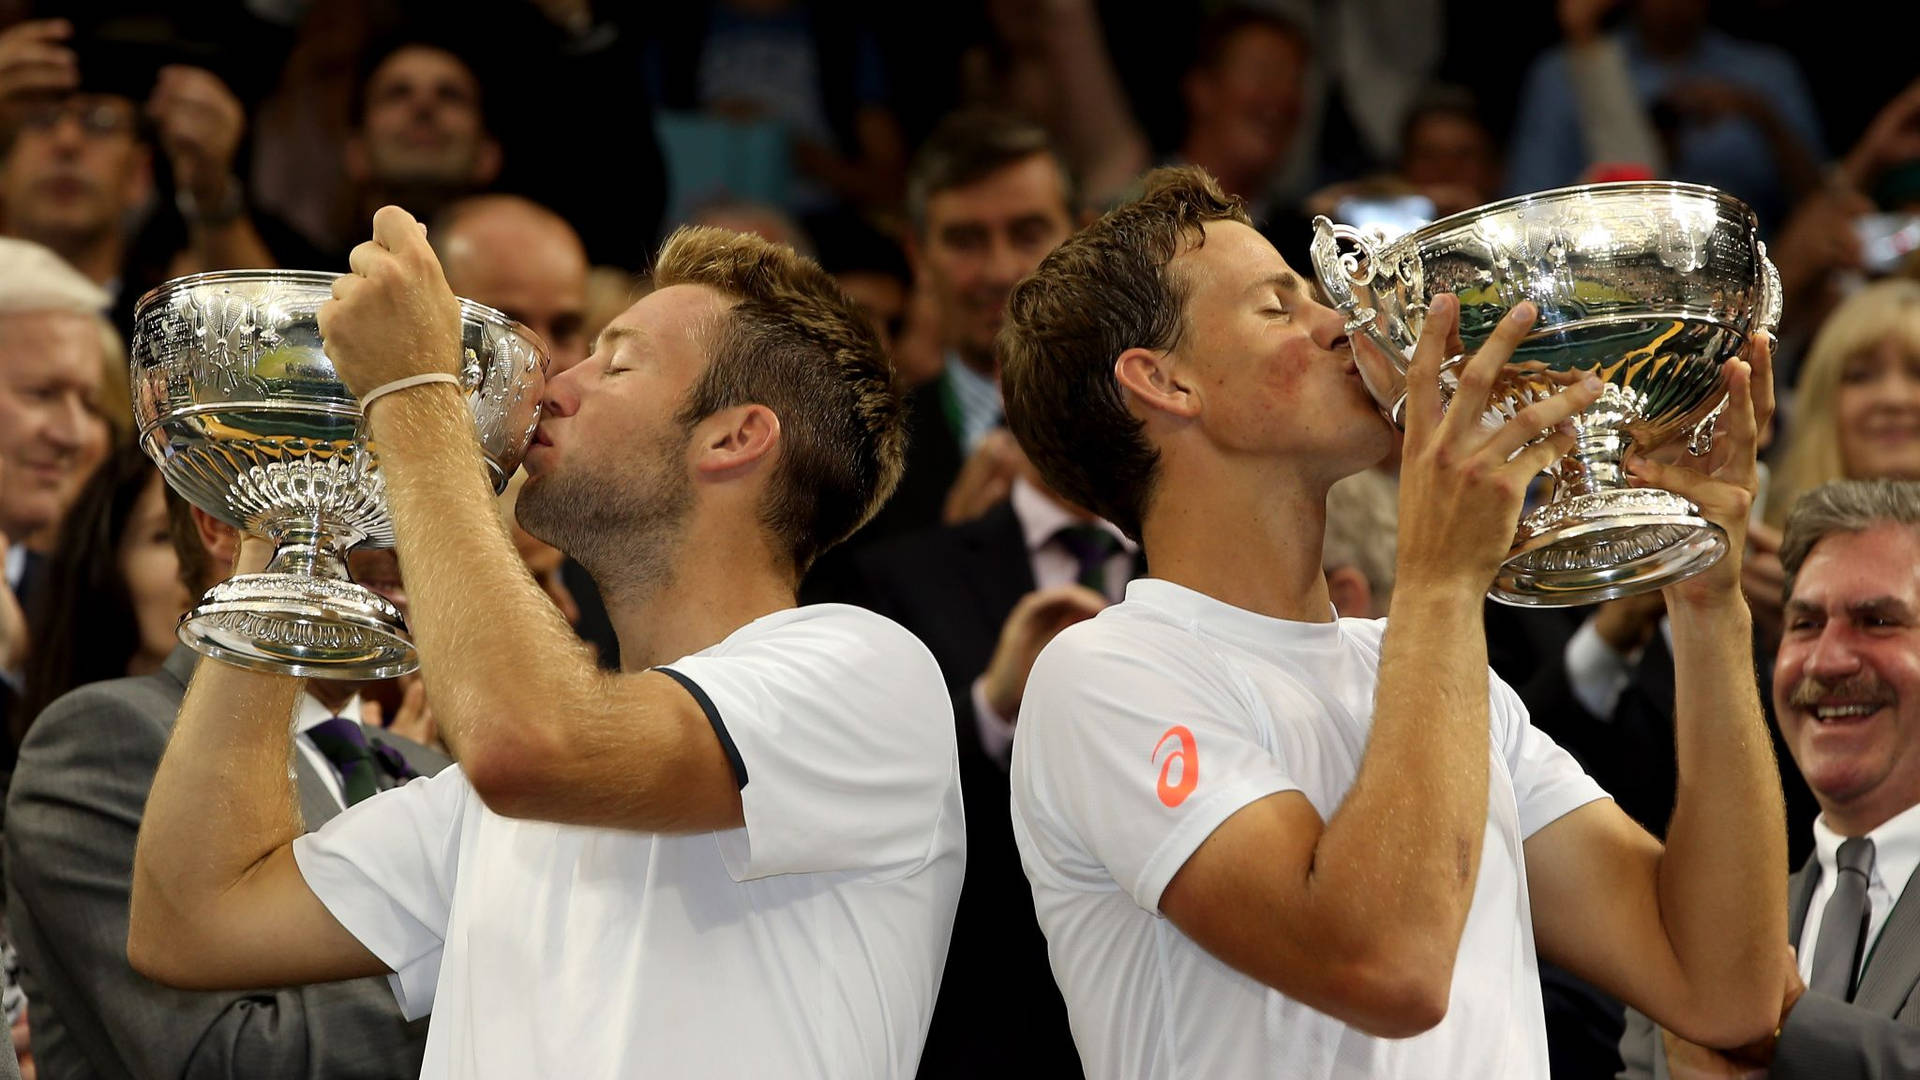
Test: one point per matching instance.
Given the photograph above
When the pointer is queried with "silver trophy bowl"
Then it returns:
(236, 401)
(1651, 286)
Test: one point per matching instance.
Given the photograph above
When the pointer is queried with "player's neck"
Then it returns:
(1250, 541)
(710, 587)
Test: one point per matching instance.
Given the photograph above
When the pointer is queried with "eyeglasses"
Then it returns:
(97, 117)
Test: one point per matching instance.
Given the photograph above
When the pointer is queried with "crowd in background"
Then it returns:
(929, 157)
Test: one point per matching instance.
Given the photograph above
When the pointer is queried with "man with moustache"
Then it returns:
(1846, 690)
(740, 855)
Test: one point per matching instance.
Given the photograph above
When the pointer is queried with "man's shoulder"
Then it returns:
(1129, 644)
(828, 621)
(833, 638)
(112, 709)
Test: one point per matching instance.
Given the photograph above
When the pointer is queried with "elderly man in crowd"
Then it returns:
(1846, 690)
(57, 391)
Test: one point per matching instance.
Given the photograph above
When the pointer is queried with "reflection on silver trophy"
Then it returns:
(237, 402)
(1651, 286)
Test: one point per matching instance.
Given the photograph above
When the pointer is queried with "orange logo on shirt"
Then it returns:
(1173, 792)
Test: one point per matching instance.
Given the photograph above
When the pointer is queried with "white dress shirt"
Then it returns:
(1041, 520)
(976, 399)
(1896, 853)
(309, 715)
(16, 570)
(1597, 674)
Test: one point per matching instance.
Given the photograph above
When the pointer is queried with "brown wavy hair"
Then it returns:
(1108, 289)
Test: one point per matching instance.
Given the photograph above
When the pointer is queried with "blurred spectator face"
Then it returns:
(514, 255)
(881, 297)
(51, 431)
(1248, 101)
(423, 123)
(1846, 684)
(1877, 411)
(151, 570)
(1675, 22)
(74, 171)
(982, 238)
(1454, 154)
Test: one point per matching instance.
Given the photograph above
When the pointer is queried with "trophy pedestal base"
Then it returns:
(1606, 545)
(294, 624)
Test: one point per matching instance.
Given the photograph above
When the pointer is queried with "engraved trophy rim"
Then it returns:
(174, 286)
(310, 485)
(1439, 227)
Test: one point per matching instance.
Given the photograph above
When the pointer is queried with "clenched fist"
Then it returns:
(394, 316)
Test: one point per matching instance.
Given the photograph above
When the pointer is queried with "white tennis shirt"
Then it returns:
(1146, 727)
(807, 944)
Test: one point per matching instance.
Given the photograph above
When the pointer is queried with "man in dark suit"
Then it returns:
(1846, 692)
(986, 596)
(73, 815)
(989, 197)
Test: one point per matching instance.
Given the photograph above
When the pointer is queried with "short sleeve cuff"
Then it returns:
(1544, 808)
(700, 697)
(339, 885)
(1196, 824)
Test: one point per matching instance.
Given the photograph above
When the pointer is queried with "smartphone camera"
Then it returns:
(1393, 215)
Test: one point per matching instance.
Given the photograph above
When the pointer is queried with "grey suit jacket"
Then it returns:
(1874, 1037)
(72, 817)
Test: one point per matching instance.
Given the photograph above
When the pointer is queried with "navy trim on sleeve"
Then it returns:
(713, 717)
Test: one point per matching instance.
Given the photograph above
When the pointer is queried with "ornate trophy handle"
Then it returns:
(1341, 270)
(470, 371)
(1770, 293)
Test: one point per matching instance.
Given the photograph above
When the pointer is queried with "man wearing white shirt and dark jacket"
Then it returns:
(737, 857)
(1266, 842)
(1846, 689)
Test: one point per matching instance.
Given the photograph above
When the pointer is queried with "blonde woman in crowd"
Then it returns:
(1857, 411)
(1856, 416)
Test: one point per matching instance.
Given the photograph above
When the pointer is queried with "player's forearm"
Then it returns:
(502, 668)
(1407, 837)
(222, 801)
(1728, 832)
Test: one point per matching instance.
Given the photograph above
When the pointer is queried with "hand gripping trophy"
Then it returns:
(236, 401)
(1651, 286)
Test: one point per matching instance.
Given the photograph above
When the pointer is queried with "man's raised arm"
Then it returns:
(1690, 934)
(217, 900)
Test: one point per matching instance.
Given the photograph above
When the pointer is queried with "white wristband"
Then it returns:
(367, 399)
